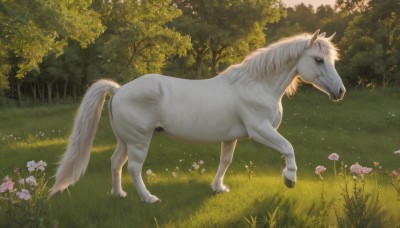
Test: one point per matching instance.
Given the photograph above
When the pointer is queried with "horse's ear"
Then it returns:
(331, 37)
(322, 34)
(314, 38)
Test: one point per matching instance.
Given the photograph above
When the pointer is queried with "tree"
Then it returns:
(218, 30)
(31, 30)
(137, 39)
(299, 19)
(370, 46)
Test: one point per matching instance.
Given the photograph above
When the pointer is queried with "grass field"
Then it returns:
(363, 128)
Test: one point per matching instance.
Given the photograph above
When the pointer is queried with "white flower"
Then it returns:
(21, 181)
(24, 194)
(201, 162)
(174, 174)
(31, 166)
(31, 181)
(149, 172)
(203, 170)
(195, 166)
(41, 165)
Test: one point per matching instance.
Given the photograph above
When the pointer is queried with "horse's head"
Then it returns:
(316, 66)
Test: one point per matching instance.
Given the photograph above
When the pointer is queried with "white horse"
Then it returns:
(244, 101)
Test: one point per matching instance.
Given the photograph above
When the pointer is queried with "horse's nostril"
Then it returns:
(341, 91)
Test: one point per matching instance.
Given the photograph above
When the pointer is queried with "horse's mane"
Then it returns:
(264, 62)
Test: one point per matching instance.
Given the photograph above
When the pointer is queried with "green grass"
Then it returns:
(363, 128)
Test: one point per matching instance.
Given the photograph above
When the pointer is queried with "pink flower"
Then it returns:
(394, 173)
(356, 169)
(31, 181)
(24, 194)
(7, 185)
(359, 170)
(333, 157)
(366, 170)
(320, 169)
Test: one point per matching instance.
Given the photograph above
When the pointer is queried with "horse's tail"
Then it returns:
(76, 158)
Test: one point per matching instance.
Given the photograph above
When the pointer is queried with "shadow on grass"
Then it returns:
(89, 204)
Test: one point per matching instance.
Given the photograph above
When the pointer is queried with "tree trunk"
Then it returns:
(214, 63)
(40, 87)
(74, 92)
(49, 90)
(199, 65)
(19, 82)
(57, 92)
(65, 89)
(33, 87)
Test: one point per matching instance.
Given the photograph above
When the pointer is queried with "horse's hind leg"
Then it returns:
(118, 160)
(137, 153)
(227, 149)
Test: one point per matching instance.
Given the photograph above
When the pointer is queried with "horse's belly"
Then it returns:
(206, 131)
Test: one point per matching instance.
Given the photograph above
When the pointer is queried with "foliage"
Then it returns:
(218, 31)
(359, 208)
(32, 30)
(373, 58)
(23, 199)
(137, 40)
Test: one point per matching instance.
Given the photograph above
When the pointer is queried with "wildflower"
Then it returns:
(17, 170)
(195, 166)
(21, 181)
(359, 170)
(24, 194)
(7, 185)
(333, 157)
(31, 166)
(203, 170)
(397, 152)
(394, 173)
(174, 174)
(366, 170)
(149, 172)
(41, 165)
(375, 163)
(31, 181)
(201, 162)
(181, 160)
(356, 169)
(246, 166)
(320, 169)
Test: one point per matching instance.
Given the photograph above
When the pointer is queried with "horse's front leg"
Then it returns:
(268, 136)
(227, 149)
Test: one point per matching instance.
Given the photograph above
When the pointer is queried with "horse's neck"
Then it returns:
(281, 80)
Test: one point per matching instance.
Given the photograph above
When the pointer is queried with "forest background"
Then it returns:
(52, 50)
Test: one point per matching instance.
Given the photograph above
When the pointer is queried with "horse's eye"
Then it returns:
(319, 60)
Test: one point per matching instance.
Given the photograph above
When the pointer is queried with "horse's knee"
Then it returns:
(226, 161)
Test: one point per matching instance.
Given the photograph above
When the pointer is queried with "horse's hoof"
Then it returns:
(288, 183)
(118, 194)
(152, 199)
(220, 188)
